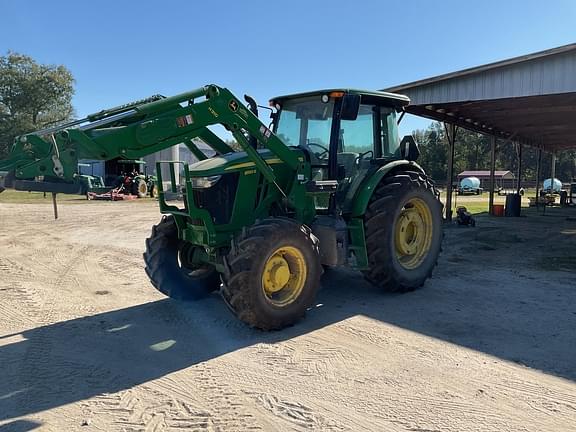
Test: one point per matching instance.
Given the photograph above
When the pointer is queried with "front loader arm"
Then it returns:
(140, 129)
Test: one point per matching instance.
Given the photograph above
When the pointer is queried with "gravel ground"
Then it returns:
(87, 344)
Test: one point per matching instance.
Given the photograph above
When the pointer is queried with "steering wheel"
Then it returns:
(323, 149)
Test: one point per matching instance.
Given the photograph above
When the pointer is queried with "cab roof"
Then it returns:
(368, 96)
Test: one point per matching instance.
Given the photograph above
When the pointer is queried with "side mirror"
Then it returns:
(350, 106)
(409, 148)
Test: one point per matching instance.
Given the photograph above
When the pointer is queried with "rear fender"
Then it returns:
(364, 194)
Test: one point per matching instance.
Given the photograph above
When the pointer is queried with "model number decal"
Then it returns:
(184, 121)
(265, 131)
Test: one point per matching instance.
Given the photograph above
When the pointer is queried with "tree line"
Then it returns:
(472, 152)
(33, 96)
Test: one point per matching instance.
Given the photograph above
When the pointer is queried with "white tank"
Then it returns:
(557, 185)
(470, 183)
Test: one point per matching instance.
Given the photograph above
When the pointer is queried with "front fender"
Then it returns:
(362, 198)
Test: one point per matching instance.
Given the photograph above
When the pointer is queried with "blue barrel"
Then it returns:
(513, 205)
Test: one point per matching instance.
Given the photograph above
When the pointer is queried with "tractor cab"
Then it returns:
(346, 133)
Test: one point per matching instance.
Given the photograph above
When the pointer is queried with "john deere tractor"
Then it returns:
(133, 178)
(327, 184)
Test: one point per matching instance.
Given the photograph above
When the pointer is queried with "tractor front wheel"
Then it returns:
(403, 232)
(274, 274)
(170, 271)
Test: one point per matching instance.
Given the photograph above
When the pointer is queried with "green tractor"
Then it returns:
(135, 179)
(90, 182)
(328, 184)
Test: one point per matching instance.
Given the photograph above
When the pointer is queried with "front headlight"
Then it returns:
(204, 182)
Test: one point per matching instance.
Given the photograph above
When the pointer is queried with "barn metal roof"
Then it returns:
(530, 99)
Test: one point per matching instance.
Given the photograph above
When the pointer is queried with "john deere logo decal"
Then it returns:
(233, 105)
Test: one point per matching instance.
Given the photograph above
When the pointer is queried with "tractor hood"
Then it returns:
(230, 162)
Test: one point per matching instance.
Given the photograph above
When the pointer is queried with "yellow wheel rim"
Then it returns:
(413, 233)
(284, 276)
(142, 188)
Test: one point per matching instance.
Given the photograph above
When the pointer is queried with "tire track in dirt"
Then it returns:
(16, 293)
(118, 260)
(396, 403)
(540, 391)
(149, 410)
(487, 411)
(163, 405)
(19, 303)
(295, 413)
(200, 399)
(45, 374)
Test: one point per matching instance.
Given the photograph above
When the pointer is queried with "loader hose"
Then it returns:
(253, 106)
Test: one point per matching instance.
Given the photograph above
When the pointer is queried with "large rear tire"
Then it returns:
(403, 232)
(140, 188)
(168, 270)
(274, 274)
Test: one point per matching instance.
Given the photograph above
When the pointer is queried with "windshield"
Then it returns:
(305, 122)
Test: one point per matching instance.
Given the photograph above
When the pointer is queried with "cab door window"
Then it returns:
(356, 142)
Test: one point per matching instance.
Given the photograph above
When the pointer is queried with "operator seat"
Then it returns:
(349, 160)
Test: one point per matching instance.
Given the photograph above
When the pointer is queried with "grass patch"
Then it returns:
(10, 196)
(21, 197)
(476, 204)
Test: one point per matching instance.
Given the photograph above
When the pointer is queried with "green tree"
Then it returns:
(32, 96)
(433, 151)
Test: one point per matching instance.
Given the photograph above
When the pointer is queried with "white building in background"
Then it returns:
(177, 153)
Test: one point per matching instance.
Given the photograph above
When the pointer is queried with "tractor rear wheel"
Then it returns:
(274, 274)
(140, 188)
(169, 270)
(403, 232)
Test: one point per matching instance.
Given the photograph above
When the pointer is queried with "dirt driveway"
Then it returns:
(87, 344)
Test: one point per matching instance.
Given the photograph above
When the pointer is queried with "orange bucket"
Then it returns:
(498, 210)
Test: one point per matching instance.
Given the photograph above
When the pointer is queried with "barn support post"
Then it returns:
(553, 171)
(492, 174)
(519, 170)
(451, 135)
(538, 174)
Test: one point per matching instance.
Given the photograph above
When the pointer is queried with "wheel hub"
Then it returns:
(277, 274)
(409, 233)
(284, 276)
(413, 233)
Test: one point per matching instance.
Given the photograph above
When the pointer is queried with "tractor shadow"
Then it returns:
(70, 361)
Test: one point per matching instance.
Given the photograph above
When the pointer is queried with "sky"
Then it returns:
(120, 51)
